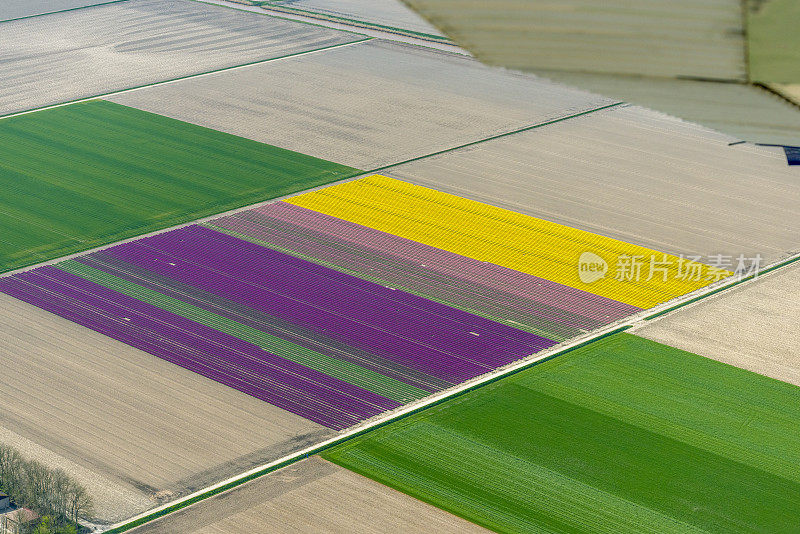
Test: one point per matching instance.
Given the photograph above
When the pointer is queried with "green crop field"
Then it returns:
(773, 41)
(623, 435)
(83, 175)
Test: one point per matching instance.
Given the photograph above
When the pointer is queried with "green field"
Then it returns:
(87, 174)
(623, 435)
(773, 41)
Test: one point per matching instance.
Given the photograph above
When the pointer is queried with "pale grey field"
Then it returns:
(747, 112)
(14, 9)
(753, 326)
(366, 105)
(634, 175)
(133, 428)
(384, 12)
(680, 38)
(312, 496)
(66, 56)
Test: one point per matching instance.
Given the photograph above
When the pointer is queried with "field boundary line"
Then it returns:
(199, 220)
(376, 30)
(730, 285)
(357, 23)
(107, 2)
(245, 207)
(446, 395)
(358, 430)
(258, 11)
(505, 134)
(181, 78)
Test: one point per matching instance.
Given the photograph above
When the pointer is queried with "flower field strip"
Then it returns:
(343, 370)
(206, 351)
(486, 233)
(122, 276)
(249, 316)
(526, 302)
(91, 173)
(621, 435)
(269, 330)
(436, 339)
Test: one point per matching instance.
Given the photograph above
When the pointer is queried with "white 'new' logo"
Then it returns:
(591, 267)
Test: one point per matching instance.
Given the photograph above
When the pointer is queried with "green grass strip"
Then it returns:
(349, 372)
(84, 175)
(514, 484)
(335, 443)
(622, 435)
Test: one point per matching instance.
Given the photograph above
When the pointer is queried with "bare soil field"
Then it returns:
(78, 54)
(390, 13)
(753, 326)
(635, 175)
(789, 91)
(367, 105)
(312, 496)
(132, 427)
(743, 111)
(14, 9)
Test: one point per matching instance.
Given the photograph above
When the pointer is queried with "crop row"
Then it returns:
(623, 435)
(535, 304)
(331, 347)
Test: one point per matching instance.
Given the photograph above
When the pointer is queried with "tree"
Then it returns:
(79, 503)
(11, 470)
(45, 526)
(51, 493)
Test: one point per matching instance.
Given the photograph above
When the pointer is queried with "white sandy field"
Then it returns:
(311, 496)
(14, 9)
(366, 105)
(635, 175)
(134, 429)
(77, 54)
(753, 326)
